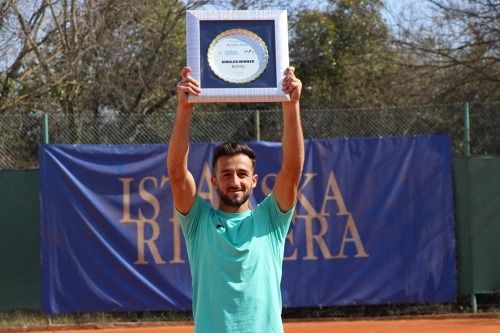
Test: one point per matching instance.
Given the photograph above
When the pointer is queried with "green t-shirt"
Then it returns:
(236, 266)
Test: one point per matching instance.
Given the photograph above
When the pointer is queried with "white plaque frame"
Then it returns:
(208, 95)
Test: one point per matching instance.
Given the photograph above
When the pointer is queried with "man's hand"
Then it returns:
(185, 87)
(292, 85)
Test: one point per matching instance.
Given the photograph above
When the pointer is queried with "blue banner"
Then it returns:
(374, 224)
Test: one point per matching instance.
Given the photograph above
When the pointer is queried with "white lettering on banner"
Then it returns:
(316, 224)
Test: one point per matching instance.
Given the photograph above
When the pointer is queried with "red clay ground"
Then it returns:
(419, 325)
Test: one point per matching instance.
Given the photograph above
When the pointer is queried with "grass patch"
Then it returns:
(29, 318)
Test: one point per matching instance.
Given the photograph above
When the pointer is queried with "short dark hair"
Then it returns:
(231, 148)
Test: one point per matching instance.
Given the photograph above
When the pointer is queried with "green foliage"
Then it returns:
(341, 53)
(105, 57)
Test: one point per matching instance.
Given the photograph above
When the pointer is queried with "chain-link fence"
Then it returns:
(22, 133)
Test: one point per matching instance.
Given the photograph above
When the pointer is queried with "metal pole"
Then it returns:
(45, 128)
(470, 239)
(474, 302)
(257, 125)
(466, 130)
(469, 222)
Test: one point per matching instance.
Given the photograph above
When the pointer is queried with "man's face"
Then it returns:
(234, 179)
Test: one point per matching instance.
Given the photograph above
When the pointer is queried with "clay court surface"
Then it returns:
(426, 325)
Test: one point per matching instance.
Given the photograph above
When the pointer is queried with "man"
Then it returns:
(235, 253)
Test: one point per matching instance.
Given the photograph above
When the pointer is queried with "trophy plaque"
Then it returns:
(237, 55)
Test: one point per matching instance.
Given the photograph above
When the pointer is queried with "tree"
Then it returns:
(123, 53)
(342, 54)
(89, 57)
(457, 47)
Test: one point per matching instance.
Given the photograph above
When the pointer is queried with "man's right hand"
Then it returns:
(185, 87)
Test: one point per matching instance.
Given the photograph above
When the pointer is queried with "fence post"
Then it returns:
(470, 239)
(467, 154)
(466, 130)
(257, 125)
(45, 127)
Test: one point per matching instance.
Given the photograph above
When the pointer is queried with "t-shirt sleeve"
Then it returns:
(279, 222)
(190, 222)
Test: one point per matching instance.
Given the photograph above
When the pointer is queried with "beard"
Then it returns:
(236, 202)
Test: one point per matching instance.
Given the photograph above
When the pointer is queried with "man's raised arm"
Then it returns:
(287, 181)
(181, 180)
